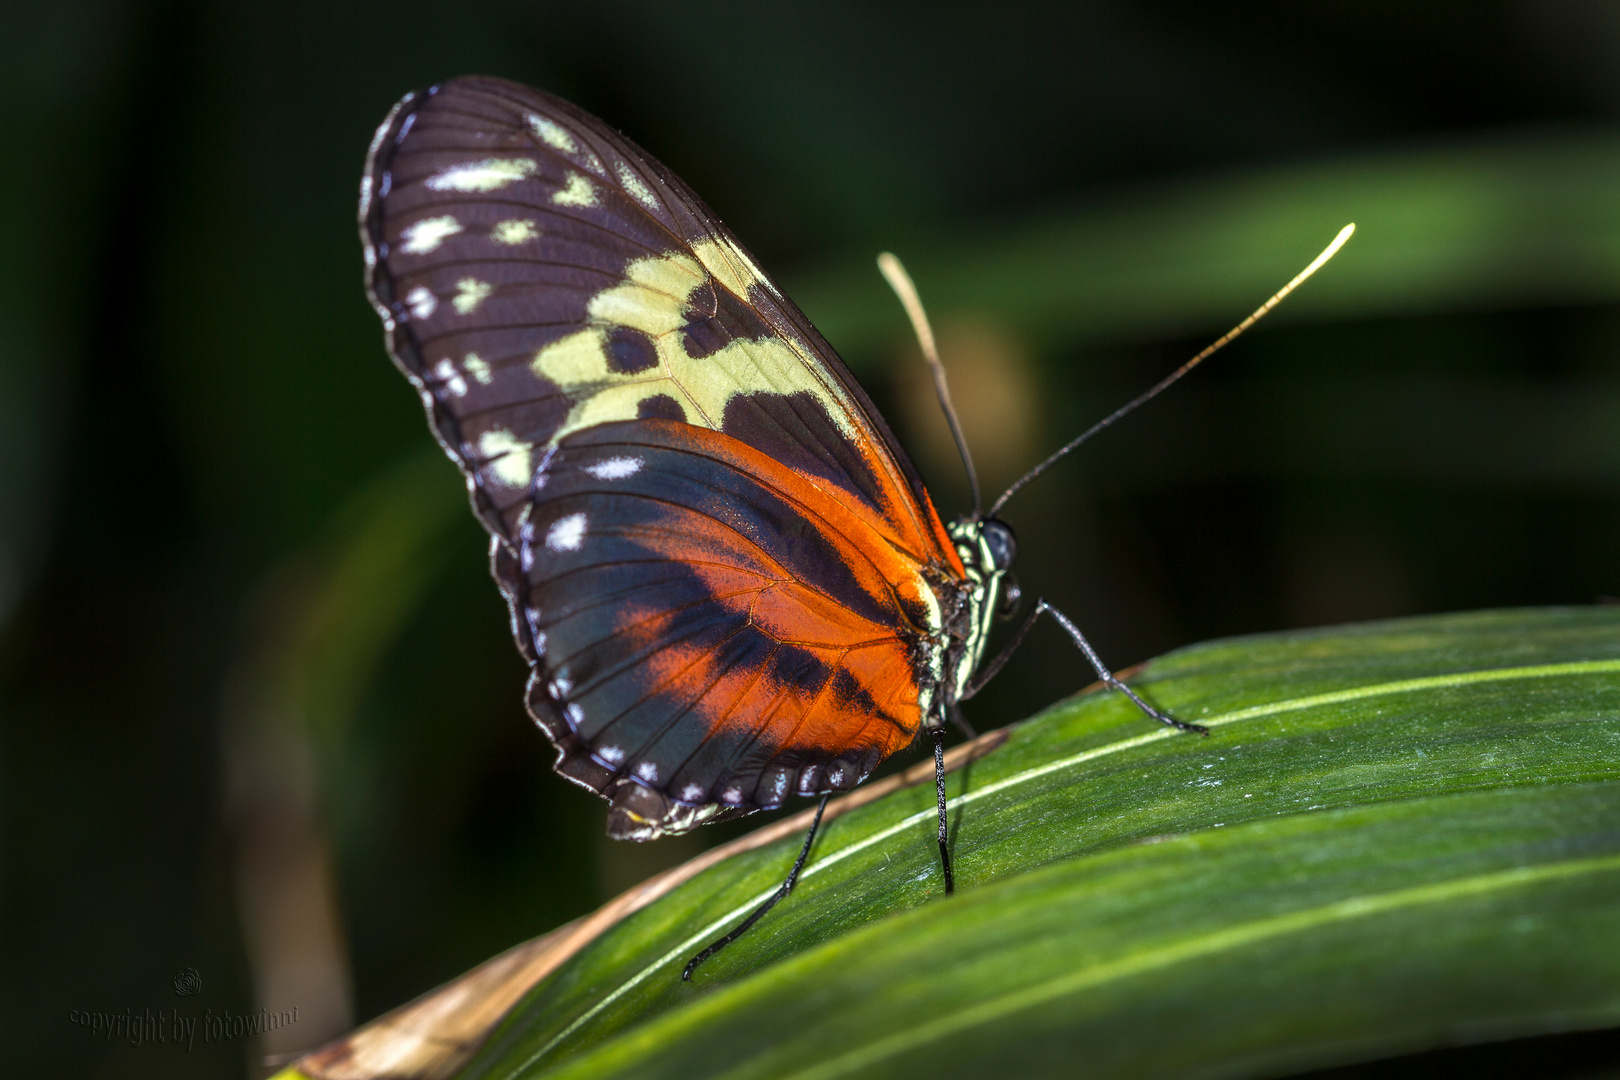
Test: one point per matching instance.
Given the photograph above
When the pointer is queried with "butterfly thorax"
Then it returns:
(986, 548)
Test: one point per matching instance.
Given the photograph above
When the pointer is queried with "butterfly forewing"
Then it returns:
(726, 574)
(543, 274)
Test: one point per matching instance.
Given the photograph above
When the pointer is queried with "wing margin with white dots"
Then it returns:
(707, 624)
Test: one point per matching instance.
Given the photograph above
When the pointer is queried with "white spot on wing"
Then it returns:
(579, 192)
(691, 793)
(421, 237)
(421, 302)
(566, 533)
(552, 133)
(514, 231)
(615, 468)
(491, 174)
(453, 382)
(576, 715)
(470, 292)
(632, 183)
(477, 368)
(508, 457)
(648, 772)
(540, 474)
(610, 754)
(732, 795)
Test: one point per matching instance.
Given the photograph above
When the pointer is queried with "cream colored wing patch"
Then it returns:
(731, 266)
(654, 299)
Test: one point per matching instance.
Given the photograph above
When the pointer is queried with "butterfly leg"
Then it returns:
(1108, 676)
(961, 722)
(944, 822)
(781, 891)
(1080, 641)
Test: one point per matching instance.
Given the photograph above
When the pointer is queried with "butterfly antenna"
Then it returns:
(900, 281)
(1165, 383)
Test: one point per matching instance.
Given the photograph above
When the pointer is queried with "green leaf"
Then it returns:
(1397, 835)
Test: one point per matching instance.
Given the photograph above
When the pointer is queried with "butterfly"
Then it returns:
(727, 578)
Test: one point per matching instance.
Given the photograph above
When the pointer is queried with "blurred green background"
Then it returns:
(259, 710)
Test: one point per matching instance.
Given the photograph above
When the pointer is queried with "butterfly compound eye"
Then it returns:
(999, 538)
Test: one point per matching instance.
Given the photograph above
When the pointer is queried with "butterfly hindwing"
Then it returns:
(720, 565)
(712, 625)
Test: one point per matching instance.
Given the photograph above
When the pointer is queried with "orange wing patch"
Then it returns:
(769, 639)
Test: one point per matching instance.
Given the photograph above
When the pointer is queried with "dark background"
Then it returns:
(259, 711)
